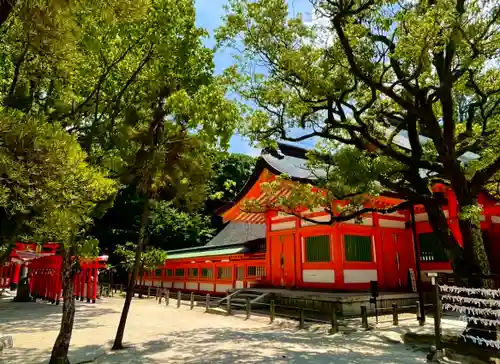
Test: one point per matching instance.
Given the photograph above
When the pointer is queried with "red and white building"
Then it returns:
(286, 251)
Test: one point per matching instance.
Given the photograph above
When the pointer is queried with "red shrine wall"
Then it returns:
(291, 265)
(344, 256)
(391, 249)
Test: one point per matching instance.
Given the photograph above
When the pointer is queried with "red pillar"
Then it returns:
(82, 284)
(94, 293)
(15, 277)
(58, 279)
(77, 286)
(89, 283)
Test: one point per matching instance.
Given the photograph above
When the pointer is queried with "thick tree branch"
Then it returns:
(337, 22)
(117, 99)
(340, 218)
(17, 68)
(103, 77)
(482, 176)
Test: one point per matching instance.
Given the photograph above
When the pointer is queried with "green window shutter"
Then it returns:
(251, 271)
(170, 273)
(207, 273)
(158, 273)
(431, 249)
(358, 248)
(317, 248)
(193, 272)
(179, 272)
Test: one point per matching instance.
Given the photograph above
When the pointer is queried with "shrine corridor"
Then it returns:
(157, 334)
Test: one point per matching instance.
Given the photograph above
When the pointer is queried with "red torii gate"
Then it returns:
(21, 255)
(46, 278)
(45, 272)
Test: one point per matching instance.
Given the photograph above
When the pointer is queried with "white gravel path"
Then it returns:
(158, 334)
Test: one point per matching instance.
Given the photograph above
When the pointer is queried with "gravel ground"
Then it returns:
(158, 334)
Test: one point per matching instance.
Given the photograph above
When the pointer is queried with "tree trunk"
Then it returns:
(61, 346)
(118, 344)
(440, 227)
(141, 275)
(474, 246)
(466, 269)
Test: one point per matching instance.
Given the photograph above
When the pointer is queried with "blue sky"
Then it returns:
(208, 15)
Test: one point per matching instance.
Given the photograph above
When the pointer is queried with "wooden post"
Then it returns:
(207, 302)
(167, 297)
(248, 307)
(160, 295)
(301, 317)
(364, 317)
(333, 320)
(271, 311)
(437, 316)
(179, 296)
(421, 320)
(156, 294)
(149, 291)
(228, 305)
(395, 317)
(192, 301)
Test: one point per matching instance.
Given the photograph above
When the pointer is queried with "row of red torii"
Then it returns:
(43, 268)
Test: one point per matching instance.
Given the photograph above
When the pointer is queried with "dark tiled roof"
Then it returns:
(292, 161)
(234, 234)
(238, 233)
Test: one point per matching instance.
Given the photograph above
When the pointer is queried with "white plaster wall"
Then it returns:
(495, 219)
(209, 287)
(283, 226)
(281, 215)
(239, 284)
(392, 224)
(192, 285)
(396, 214)
(322, 218)
(179, 285)
(167, 284)
(359, 275)
(223, 287)
(318, 275)
(368, 221)
(421, 217)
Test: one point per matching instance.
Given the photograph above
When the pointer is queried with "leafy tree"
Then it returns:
(133, 82)
(232, 171)
(173, 225)
(171, 228)
(151, 258)
(179, 115)
(48, 193)
(366, 73)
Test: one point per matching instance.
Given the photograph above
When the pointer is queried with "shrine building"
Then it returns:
(274, 249)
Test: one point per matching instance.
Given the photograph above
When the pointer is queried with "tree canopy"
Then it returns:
(48, 190)
(404, 94)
